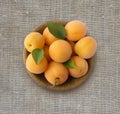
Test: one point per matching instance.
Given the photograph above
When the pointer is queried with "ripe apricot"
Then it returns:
(46, 53)
(72, 46)
(75, 30)
(60, 50)
(81, 67)
(56, 73)
(36, 68)
(86, 47)
(49, 38)
(34, 40)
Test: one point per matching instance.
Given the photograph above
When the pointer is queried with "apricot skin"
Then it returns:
(56, 73)
(36, 68)
(34, 40)
(49, 38)
(72, 46)
(46, 53)
(86, 47)
(75, 30)
(60, 51)
(81, 67)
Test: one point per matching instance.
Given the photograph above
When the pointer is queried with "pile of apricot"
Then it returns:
(76, 46)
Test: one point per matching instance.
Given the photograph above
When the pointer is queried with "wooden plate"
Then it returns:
(70, 83)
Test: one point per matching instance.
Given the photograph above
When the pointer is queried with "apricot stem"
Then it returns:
(56, 80)
(30, 45)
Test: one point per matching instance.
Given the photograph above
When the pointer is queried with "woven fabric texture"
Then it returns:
(100, 94)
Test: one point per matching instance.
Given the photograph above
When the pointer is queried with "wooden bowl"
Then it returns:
(70, 83)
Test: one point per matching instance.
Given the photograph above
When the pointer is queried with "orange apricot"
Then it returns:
(86, 47)
(60, 51)
(34, 40)
(81, 67)
(46, 53)
(49, 38)
(72, 46)
(75, 30)
(56, 73)
(36, 68)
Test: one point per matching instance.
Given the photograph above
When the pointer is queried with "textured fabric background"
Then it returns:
(100, 94)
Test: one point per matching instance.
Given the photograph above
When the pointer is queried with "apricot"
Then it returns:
(86, 47)
(56, 73)
(36, 68)
(60, 51)
(75, 30)
(34, 40)
(46, 53)
(81, 67)
(49, 38)
(72, 46)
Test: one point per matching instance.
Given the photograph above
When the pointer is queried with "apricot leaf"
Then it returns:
(38, 55)
(70, 64)
(57, 30)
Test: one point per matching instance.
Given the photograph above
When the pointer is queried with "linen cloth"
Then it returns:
(100, 94)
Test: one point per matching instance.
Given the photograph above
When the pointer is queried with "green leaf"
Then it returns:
(57, 30)
(70, 64)
(38, 55)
